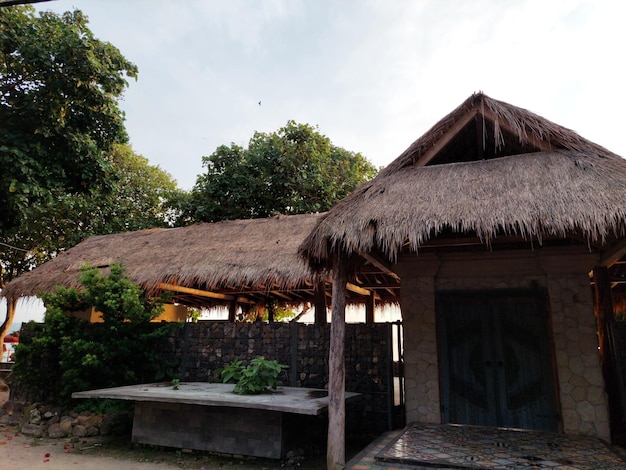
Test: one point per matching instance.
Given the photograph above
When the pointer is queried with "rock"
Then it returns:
(11, 420)
(79, 431)
(33, 430)
(34, 416)
(13, 407)
(92, 431)
(66, 425)
(26, 414)
(53, 420)
(53, 412)
(89, 421)
(55, 431)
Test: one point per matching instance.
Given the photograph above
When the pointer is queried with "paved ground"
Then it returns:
(428, 446)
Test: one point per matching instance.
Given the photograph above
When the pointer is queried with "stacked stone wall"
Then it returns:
(203, 348)
(199, 350)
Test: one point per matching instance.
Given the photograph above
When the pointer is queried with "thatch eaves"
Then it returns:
(464, 176)
(257, 254)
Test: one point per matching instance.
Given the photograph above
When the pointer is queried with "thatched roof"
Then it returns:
(487, 169)
(253, 255)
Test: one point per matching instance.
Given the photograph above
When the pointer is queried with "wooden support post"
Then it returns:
(8, 321)
(369, 308)
(606, 319)
(320, 303)
(270, 311)
(232, 311)
(258, 311)
(336, 450)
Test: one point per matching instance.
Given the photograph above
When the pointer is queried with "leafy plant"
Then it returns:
(194, 314)
(260, 376)
(68, 354)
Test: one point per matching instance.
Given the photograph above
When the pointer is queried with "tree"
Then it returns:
(58, 104)
(143, 199)
(67, 172)
(292, 171)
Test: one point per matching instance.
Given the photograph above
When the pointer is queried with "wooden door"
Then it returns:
(495, 359)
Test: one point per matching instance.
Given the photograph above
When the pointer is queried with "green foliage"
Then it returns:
(69, 355)
(281, 314)
(67, 170)
(59, 87)
(260, 376)
(104, 406)
(292, 171)
(194, 314)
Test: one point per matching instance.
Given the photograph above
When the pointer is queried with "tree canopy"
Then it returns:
(58, 107)
(294, 170)
(67, 170)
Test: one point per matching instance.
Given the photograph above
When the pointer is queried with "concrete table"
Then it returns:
(209, 417)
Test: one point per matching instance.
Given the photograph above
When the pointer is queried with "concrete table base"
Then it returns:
(209, 417)
(216, 428)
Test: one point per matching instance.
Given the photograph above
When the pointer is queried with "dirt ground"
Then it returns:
(114, 453)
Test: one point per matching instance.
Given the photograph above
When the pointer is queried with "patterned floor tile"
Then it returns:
(475, 447)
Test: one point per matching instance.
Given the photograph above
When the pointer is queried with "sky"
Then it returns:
(373, 76)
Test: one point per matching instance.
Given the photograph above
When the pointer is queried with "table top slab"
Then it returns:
(297, 400)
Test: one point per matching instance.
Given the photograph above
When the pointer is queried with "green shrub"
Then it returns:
(67, 354)
(260, 376)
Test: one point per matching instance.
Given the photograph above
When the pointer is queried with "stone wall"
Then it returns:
(202, 348)
(562, 272)
(421, 369)
(199, 350)
(583, 399)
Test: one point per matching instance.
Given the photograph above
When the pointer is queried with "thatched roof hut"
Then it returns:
(475, 198)
(488, 170)
(204, 264)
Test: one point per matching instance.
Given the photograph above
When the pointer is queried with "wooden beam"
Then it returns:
(480, 137)
(370, 306)
(336, 445)
(198, 292)
(357, 290)
(280, 294)
(614, 253)
(232, 311)
(446, 138)
(542, 145)
(605, 316)
(379, 263)
(319, 300)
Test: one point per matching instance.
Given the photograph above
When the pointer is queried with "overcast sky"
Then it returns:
(372, 75)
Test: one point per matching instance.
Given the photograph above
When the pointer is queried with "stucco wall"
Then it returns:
(563, 272)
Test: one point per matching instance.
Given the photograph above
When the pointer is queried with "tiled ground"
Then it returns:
(428, 446)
